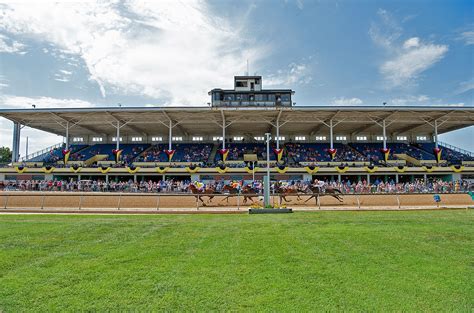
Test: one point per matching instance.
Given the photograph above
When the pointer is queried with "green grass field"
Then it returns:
(384, 261)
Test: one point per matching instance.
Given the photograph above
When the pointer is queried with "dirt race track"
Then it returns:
(110, 202)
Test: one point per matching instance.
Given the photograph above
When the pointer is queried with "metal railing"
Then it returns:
(40, 152)
(238, 203)
(457, 149)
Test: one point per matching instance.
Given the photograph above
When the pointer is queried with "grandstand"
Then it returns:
(212, 142)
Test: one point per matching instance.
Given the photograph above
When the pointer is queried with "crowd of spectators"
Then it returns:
(182, 186)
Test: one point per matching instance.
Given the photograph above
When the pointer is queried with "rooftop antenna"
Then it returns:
(248, 67)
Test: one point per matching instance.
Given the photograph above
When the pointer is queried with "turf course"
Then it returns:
(383, 261)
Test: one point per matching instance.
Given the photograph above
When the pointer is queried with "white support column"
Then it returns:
(117, 138)
(26, 148)
(223, 131)
(170, 134)
(278, 130)
(384, 134)
(16, 142)
(266, 181)
(67, 135)
(331, 139)
(436, 133)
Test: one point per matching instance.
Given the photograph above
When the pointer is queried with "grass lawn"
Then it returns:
(384, 261)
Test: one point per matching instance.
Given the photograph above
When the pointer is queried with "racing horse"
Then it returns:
(286, 191)
(206, 192)
(248, 192)
(316, 191)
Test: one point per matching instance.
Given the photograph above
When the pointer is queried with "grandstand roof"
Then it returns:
(242, 120)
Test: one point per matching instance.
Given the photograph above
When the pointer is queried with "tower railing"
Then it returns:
(40, 152)
(457, 149)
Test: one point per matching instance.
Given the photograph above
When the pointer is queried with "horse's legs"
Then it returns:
(337, 197)
(202, 201)
(311, 197)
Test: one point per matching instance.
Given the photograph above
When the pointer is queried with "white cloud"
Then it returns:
(465, 86)
(295, 74)
(17, 102)
(347, 101)
(408, 65)
(3, 82)
(406, 60)
(411, 100)
(468, 37)
(38, 139)
(11, 46)
(387, 31)
(300, 4)
(411, 43)
(65, 72)
(163, 49)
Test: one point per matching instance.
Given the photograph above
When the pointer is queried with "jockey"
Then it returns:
(320, 184)
(199, 185)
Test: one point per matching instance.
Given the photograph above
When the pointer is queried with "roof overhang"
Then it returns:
(242, 120)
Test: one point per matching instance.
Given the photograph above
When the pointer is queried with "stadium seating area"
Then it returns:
(293, 153)
(56, 154)
(318, 152)
(373, 153)
(129, 153)
(185, 152)
(237, 151)
(446, 153)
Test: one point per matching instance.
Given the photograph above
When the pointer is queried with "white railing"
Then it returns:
(457, 149)
(40, 152)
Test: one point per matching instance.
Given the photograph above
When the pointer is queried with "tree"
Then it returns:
(5, 155)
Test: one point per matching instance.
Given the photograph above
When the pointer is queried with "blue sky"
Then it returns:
(81, 54)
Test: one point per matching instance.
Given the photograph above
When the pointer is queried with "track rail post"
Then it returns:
(6, 202)
(358, 202)
(81, 198)
(119, 201)
(158, 202)
(42, 201)
(398, 201)
(238, 201)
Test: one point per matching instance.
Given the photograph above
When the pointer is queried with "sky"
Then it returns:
(171, 53)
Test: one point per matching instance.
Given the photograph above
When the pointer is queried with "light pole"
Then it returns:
(253, 173)
(266, 181)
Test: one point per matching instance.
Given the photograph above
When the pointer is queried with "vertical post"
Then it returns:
(278, 132)
(119, 200)
(384, 134)
(238, 200)
(331, 139)
(80, 200)
(16, 141)
(436, 133)
(117, 138)
(6, 201)
(170, 135)
(26, 148)
(223, 130)
(266, 194)
(396, 178)
(67, 135)
(253, 172)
